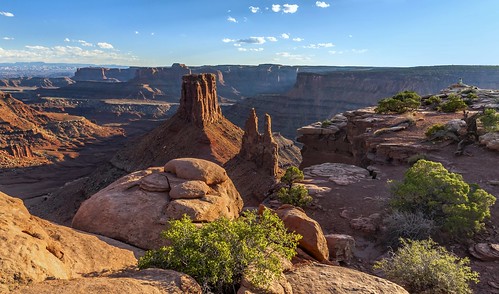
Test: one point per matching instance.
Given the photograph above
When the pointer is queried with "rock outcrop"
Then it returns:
(485, 251)
(148, 281)
(199, 100)
(340, 247)
(34, 250)
(261, 149)
(136, 208)
(313, 242)
(490, 140)
(320, 278)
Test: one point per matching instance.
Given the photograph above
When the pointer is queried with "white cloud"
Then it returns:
(296, 57)
(285, 36)
(105, 45)
(153, 33)
(227, 40)
(350, 36)
(67, 40)
(290, 8)
(298, 39)
(69, 54)
(85, 43)
(254, 9)
(322, 4)
(231, 19)
(276, 7)
(272, 39)
(319, 45)
(8, 38)
(137, 32)
(252, 40)
(250, 49)
(359, 51)
(7, 14)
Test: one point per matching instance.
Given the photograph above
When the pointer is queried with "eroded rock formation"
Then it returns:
(261, 149)
(136, 208)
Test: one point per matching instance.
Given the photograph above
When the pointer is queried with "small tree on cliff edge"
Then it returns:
(293, 194)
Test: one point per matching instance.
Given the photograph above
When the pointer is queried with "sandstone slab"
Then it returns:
(197, 169)
(340, 247)
(338, 173)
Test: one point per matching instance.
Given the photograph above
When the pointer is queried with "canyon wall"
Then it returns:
(318, 96)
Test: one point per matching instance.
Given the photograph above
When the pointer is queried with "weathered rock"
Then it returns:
(485, 251)
(126, 211)
(319, 278)
(490, 140)
(261, 149)
(340, 247)
(338, 173)
(155, 182)
(278, 286)
(189, 190)
(34, 249)
(313, 241)
(368, 224)
(197, 169)
(148, 281)
(199, 100)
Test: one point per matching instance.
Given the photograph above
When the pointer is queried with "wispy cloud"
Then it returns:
(7, 14)
(249, 49)
(227, 40)
(85, 43)
(359, 51)
(322, 4)
(272, 39)
(285, 36)
(254, 9)
(354, 51)
(67, 40)
(276, 7)
(319, 45)
(69, 54)
(7, 38)
(289, 56)
(231, 19)
(298, 39)
(105, 45)
(136, 32)
(252, 40)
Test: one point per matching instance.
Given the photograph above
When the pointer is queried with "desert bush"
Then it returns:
(472, 96)
(326, 123)
(431, 131)
(433, 101)
(490, 120)
(408, 225)
(424, 267)
(455, 206)
(293, 193)
(400, 103)
(218, 254)
(454, 103)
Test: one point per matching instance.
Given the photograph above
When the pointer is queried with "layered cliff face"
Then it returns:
(104, 74)
(36, 82)
(318, 96)
(30, 137)
(199, 100)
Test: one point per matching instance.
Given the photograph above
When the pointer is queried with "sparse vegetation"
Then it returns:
(400, 103)
(326, 123)
(431, 131)
(425, 267)
(454, 103)
(455, 206)
(414, 226)
(490, 120)
(219, 253)
(433, 102)
(293, 193)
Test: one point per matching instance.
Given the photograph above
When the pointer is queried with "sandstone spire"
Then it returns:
(199, 100)
(260, 148)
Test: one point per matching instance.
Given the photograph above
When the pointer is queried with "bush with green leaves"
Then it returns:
(454, 103)
(402, 102)
(326, 123)
(431, 131)
(456, 206)
(218, 254)
(490, 120)
(424, 267)
(293, 193)
(433, 102)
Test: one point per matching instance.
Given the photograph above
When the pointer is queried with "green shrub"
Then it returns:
(454, 205)
(431, 131)
(454, 103)
(219, 253)
(326, 123)
(490, 120)
(472, 96)
(425, 267)
(414, 226)
(433, 101)
(400, 103)
(293, 194)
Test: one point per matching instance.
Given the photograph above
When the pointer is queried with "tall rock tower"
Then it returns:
(199, 101)
(262, 149)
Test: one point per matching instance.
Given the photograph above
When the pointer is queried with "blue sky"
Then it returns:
(329, 32)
